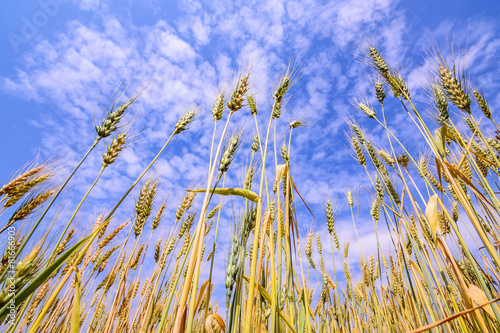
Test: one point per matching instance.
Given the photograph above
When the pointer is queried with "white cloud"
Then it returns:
(201, 31)
(171, 46)
(89, 4)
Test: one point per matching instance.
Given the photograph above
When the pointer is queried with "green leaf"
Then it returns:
(302, 313)
(43, 276)
(439, 136)
(75, 317)
(250, 195)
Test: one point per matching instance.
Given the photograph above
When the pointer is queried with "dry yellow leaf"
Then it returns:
(280, 171)
(208, 324)
(479, 297)
(220, 322)
(431, 213)
(218, 319)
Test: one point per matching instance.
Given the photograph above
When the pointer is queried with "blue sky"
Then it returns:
(62, 59)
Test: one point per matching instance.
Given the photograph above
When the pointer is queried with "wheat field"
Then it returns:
(438, 201)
